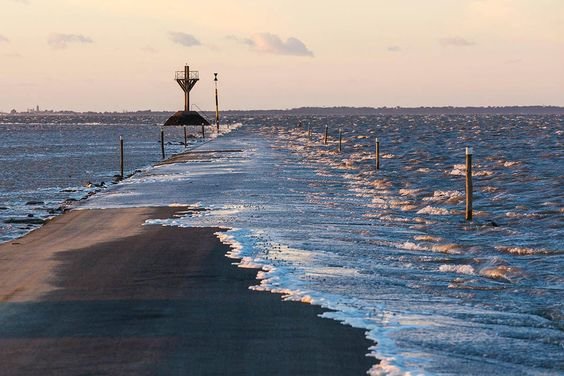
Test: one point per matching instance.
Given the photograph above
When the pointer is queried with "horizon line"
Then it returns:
(387, 108)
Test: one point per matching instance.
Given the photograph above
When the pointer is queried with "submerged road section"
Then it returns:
(97, 292)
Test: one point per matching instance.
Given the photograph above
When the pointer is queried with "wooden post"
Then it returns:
(326, 131)
(162, 143)
(216, 104)
(121, 156)
(340, 139)
(377, 154)
(203, 132)
(468, 183)
(185, 138)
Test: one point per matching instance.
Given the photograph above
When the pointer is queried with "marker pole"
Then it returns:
(216, 104)
(121, 156)
(469, 152)
(377, 154)
(162, 143)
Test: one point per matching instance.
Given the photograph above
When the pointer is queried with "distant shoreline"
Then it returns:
(391, 111)
(329, 111)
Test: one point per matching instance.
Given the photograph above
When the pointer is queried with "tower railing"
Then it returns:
(192, 75)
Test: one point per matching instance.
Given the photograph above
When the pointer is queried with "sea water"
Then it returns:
(389, 250)
(49, 162)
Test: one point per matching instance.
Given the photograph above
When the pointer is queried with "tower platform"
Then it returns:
(186, 118)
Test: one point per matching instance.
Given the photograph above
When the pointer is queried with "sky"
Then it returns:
(114, 55)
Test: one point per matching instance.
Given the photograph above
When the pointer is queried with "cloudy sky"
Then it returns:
(122, 54)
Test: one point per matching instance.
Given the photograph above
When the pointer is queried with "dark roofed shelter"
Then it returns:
(186, 118)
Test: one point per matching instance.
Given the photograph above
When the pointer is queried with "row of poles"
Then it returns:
(340, 144)
(469, 152)
(185, 139)
(203, 132)
(162, 138)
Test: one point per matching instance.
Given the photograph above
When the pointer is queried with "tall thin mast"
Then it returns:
(216, 104)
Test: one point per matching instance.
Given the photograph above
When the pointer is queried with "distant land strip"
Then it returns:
(365, 111)
(335, 111)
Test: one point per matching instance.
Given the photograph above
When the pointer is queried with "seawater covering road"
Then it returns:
(99, 292)
(322, 226)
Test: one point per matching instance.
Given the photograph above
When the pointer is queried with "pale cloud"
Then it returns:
(26, 2)
(394, 48)
(149, 50)
(3, 39)
(61, 41)
(456, 42)
(187, 40)
(247, 41)
(273, 44)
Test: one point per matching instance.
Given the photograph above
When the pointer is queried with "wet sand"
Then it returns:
(96, 292)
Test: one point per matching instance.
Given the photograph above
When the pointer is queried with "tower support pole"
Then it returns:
(186, 92)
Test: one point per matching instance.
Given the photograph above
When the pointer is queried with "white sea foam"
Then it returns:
(398, 203)
(490, 189)
(524, 251)
(390, 218)
(511, 163)
(387, 368)
(460, 269)
(450, 197)
(408, 207)
(412, 246)
(427, 238)
(434, 211)
(502, 272)
(381, 184)
(454, 249)
(512, 214)
(460, 170)
(410, 192)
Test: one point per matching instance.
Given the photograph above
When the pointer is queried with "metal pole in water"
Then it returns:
(377, 154)
(216, 104)
(340, 139)
(185, 138)
(326, 131)
(121, 156)
(162, 143)
(469, 152)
